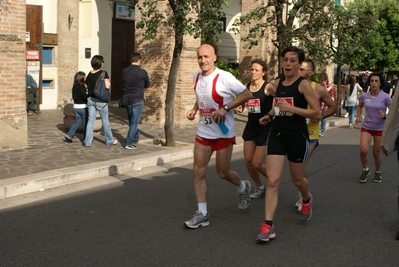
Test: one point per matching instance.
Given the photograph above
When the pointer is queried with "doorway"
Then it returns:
(34, 44)
(122, 48)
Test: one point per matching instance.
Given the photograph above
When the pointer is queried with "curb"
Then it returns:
(26, 184)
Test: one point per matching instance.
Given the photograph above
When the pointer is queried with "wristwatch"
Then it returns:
(226, 107)
(270, 116)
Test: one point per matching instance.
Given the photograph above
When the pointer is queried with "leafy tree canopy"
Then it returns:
(291, 22)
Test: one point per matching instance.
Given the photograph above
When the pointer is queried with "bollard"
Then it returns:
(69, 119)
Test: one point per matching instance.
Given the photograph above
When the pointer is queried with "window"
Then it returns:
(47, 84)
(47, 55)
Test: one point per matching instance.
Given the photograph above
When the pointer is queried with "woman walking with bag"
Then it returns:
(94, 104)
(352, 89)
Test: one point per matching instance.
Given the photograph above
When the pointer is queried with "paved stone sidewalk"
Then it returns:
(47, 150)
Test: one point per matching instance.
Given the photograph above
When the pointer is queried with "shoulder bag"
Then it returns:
(100, 91)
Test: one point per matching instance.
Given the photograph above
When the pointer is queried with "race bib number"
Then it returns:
(253, 105)
(277, 112)
(206, 115)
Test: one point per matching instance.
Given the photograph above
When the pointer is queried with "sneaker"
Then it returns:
(197, 220)
(298, 204)
(67, 139)
(397, 236)
(377, 177)
(244, 198)
(115, 142)
(258, 193)
(306, 211)
(131, 147)
(266, 233)
(363, 177)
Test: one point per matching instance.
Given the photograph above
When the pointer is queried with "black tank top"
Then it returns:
(266, 102)
(291, 124)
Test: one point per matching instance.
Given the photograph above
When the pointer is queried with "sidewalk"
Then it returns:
(49, 162)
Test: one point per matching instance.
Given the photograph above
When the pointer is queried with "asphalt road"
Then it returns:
(138, 219)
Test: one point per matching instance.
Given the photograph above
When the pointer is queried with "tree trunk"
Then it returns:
(339, 91)
(171, 90)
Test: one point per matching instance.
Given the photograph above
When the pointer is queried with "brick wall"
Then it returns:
(13, 118)
(68, 49)
(157, 60)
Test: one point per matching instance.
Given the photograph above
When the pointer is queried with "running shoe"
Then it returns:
(244, 198)
(258, 193)
(197, 220)
(266, 233)
(377, 177)
(363, 177)
(306, 211)
(298, 204)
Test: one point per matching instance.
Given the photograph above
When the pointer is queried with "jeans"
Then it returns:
(133, 113)
(322, 124)
(80, 118)
(352, 112)
(93, 106)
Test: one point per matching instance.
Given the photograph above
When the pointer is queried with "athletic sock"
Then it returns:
(269, 223)
(203, 208)
(242, 186)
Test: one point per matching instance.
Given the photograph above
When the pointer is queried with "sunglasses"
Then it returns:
(302, 69)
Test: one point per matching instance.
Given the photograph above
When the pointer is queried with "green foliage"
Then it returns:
(275, 17)
(376, 35)
(315, 77)
(229, 66)
(199, 19)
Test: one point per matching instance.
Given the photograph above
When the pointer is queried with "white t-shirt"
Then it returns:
(352, 99)
(212, 92)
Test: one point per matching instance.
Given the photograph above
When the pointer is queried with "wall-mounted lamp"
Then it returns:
(70, 20)
(352, 21)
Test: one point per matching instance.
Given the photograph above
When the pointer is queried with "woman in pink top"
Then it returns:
(376, 103)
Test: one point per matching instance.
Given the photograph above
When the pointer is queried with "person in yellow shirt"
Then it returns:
(307, 69)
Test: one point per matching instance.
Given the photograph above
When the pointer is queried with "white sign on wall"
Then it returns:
(123, 12)
(33, 69)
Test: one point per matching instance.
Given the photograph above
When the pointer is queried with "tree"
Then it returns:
(196, 18)
(341, 47)
(286, 22)
(376, 35)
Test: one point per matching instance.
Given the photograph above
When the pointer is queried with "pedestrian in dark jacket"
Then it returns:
(79, 95)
